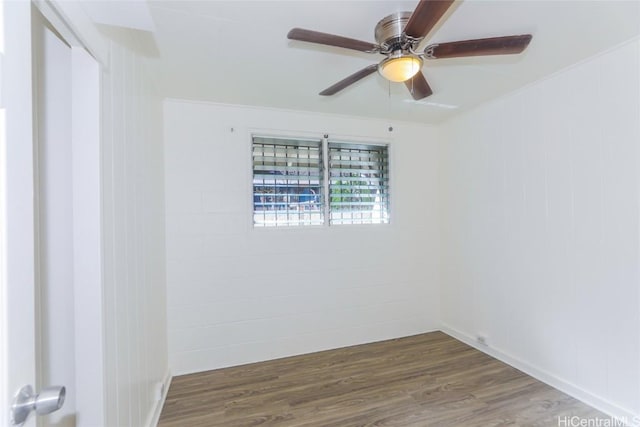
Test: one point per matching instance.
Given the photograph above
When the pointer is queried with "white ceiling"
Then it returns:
(237, 51)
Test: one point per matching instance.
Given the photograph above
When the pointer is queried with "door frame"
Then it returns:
(87, 239)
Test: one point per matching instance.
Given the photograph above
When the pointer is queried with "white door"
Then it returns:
(18, 326)
(49, 240)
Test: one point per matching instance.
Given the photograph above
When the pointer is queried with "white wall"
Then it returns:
(134, 265)
(540, 229)
(238, 294)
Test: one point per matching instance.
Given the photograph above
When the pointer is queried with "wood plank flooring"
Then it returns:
(423, 380)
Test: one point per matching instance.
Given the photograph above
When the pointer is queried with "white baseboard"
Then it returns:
(154, 415)
(603, 405)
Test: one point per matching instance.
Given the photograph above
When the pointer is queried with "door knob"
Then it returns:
(49, 399)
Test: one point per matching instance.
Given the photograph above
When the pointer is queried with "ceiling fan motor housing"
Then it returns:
(389, 32)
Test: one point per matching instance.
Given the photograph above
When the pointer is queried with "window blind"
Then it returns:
(358, 183)
(287, 182)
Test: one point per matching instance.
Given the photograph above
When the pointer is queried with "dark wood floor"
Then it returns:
(424, 380)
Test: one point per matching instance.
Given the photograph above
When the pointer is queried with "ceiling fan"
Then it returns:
(398, 36)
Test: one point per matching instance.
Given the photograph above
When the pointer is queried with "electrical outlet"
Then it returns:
(159, 392)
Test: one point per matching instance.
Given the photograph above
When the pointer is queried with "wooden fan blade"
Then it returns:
(425, 16)
(507, 45)
(331, 40)
(418, 86)
(349, 80)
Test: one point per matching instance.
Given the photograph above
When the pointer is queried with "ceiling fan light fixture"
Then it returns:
(400, 67)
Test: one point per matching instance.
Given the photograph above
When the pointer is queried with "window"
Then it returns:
(358, 184)
(292, 176)
(287, 182)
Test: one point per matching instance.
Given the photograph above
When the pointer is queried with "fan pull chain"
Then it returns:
(389, 95)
